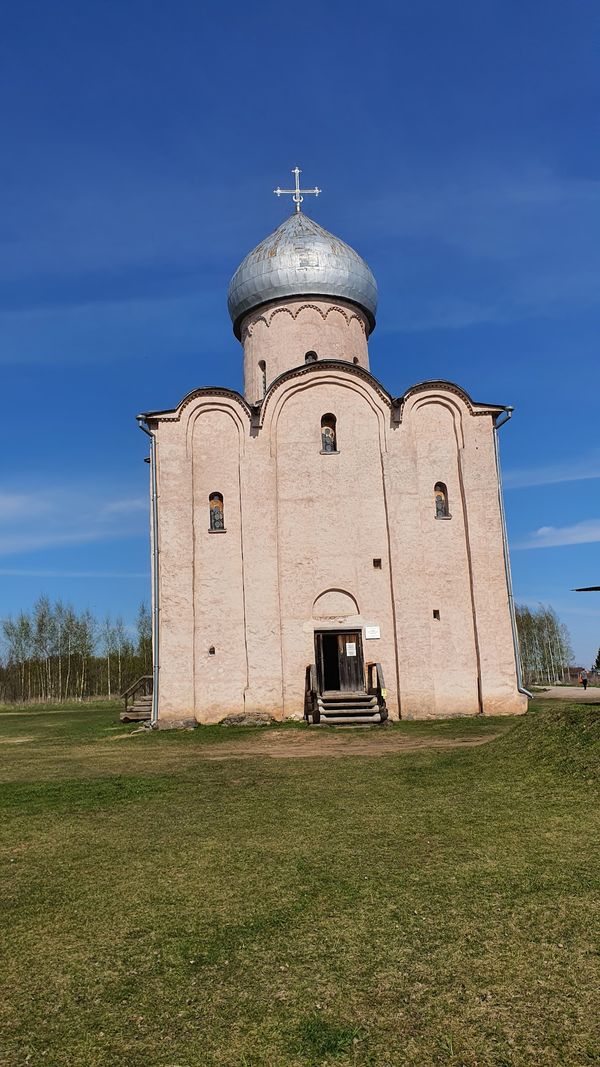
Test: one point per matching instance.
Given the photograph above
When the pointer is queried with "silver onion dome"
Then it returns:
(300, 259)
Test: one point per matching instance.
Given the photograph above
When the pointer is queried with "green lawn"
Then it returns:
(436, 906)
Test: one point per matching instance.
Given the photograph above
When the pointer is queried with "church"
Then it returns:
(322, 549)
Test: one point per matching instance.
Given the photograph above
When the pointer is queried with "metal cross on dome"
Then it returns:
(296, 193)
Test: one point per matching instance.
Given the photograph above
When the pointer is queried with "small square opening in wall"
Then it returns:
(436, 614)
(377, 564)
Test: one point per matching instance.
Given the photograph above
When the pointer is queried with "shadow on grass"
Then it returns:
(319, 1037)
(80, 795)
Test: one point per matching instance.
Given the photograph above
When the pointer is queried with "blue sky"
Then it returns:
(457, 149)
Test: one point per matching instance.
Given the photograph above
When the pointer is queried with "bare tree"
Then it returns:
(56, 653)
(144, 628)
(120, 641)
(545, 644)
(108, 640)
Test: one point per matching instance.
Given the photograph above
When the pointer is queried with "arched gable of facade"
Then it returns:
(455, 408)
(444, 391)
(325, 374)
(205, 405)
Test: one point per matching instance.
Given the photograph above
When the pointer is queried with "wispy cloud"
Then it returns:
(22, 505)
(530, 239)
(86, 332)
(65, 516)
(12, 544)
(580, 533)
(495, 216)
(575, 470)
(125, 507)
(102, 227)
(15, 572)
(568, 604)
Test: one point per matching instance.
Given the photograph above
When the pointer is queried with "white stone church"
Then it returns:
(321, 548)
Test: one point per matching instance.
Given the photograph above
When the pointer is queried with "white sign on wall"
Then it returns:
(372, 632)
(350, 649)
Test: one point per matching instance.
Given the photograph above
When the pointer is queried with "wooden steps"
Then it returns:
(136, 713)
(138, 701)
(338, 709)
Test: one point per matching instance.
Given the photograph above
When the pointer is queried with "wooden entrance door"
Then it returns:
(340, 665)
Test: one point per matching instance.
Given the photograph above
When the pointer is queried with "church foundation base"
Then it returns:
(517, 706)
(176, 724)
(248, 719)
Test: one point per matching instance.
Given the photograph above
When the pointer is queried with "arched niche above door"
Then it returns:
(333, 604)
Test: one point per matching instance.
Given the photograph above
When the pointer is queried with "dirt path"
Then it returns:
(291, 745)
(570, 692)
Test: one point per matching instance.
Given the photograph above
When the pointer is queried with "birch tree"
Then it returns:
(545, 645)
(53, 653)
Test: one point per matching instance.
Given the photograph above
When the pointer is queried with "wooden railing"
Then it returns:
(311, 695)
(376, 683)
(143, 687)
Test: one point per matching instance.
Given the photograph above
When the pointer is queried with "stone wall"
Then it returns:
(239, 608)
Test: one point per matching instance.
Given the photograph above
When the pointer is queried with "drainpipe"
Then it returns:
(511, 603)
(143, 425)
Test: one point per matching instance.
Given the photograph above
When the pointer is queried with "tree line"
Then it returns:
(55, 653)
(545, 645)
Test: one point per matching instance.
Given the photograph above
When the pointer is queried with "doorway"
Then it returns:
(340, 666)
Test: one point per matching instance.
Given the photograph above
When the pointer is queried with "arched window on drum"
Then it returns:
(216, 512)
(262, 366)
(329, 433)
(440, 496)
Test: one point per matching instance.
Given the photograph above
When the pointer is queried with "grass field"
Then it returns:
(161, 908)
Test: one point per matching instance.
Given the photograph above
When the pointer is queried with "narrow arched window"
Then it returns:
(328, 433)
(262, 366)
(217, 515)
(440, 496)
(310, 357)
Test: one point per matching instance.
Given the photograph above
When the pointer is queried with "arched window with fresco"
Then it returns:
(329, 433)
(216, 511)
(440, 496)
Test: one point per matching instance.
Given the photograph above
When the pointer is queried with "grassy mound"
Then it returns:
(559, 737)
(437, 907)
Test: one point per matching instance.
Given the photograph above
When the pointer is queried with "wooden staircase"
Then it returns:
(138, 701)
(349, 709)
(339, 708)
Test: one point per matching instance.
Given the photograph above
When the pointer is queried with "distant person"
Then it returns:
(584, 679)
